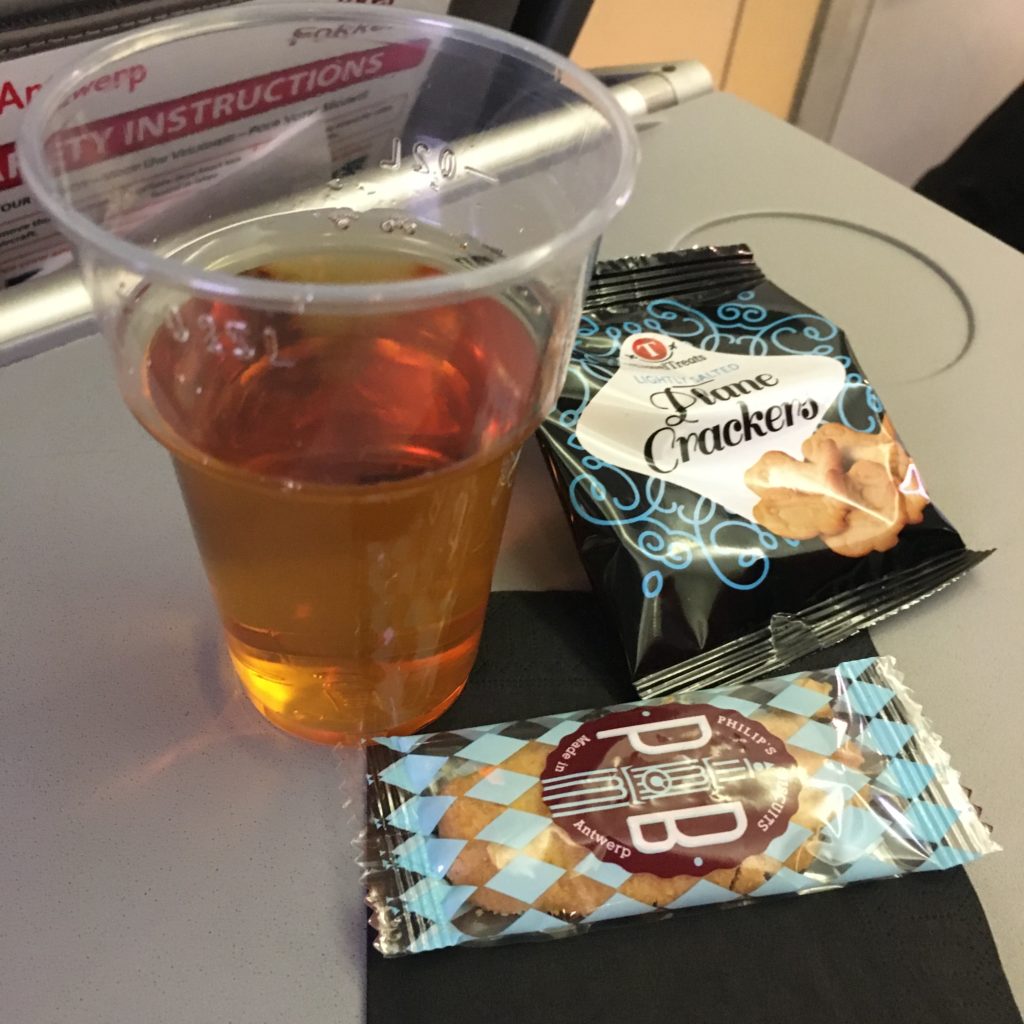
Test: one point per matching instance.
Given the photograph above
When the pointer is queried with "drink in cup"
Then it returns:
(349, 499)
(338, 255)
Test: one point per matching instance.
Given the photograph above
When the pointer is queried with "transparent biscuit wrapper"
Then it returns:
(550, 826)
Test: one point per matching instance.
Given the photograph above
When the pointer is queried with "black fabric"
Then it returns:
(30, 26)
(983, 180)
(914, 950)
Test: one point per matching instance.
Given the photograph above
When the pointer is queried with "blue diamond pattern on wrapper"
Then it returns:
(514, 828)
(782, 847)
(868, 699)
(785, 882)
(524, 878)
(822, 739)
(841, 776)
(930, 821)
(704, 894)
(799, 700)
(849, 836)
(906, 778)
(948, 857)
(432, 857)
(415, 772)
(617, 906)
(887, 737)
(492, 748)
(730, 703)
(501, 786)
(559, 731)
(601, 871)
(474, 838)
(869, 869)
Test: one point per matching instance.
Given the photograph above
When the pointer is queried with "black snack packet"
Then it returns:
(737, 492)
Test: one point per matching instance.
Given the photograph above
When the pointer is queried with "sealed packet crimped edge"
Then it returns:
(914, 801)
(971, 827)
(650, 533)
(793, 635)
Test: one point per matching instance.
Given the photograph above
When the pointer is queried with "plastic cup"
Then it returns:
(339, 254)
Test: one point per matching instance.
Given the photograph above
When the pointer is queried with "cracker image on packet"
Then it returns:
(547, 827)
(738, 493)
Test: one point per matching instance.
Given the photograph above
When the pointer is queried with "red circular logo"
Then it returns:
(654, 350)
(672, 789)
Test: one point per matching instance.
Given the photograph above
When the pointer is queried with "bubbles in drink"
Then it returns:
(343, 219)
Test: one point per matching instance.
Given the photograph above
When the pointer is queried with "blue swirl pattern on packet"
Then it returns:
(548, 826)
(738, 494)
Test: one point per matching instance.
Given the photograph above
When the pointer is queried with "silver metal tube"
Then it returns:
(54, 309)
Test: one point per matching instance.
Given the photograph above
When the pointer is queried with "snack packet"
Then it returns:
(737, 491)
(548, 826)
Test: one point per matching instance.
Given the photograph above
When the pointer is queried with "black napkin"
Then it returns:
(915, 949)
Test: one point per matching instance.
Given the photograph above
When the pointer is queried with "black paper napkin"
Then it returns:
(917, 949)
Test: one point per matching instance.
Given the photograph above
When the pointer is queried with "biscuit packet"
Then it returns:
(549, 826)
(738, 493)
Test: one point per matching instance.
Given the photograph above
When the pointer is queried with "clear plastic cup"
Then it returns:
(339, 255)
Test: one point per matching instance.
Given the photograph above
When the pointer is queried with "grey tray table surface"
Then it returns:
(169, 857)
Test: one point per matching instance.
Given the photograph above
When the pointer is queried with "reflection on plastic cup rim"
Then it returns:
(157, 267)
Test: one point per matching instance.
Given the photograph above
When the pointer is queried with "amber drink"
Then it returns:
(347, 477)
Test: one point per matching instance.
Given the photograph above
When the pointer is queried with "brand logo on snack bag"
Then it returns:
(701, 419)
(672, 789)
